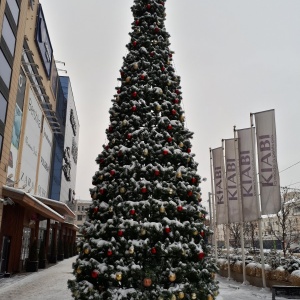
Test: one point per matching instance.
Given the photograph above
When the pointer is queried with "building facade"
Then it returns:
(81, 207)
(35, 109)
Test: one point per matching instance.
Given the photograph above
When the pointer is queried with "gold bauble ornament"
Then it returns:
(178, 174)
(118, 98)
(182, 118)
(183, 252)
(125, 122)
(135, 66)
(128, 79)
(119, 276)
(78, 249)
(100, 177)
(86, 250)
(170, 191)
(160, 298)
(213, 275)
(78, 271)
(122, 190)
(195, 232)
(173, 297)
(209, 297)
(110, 209)
(181, 144)
(181, 295)
(147, 282)
(172, 277)
(169, 82)
(194, 296)
(216, 293)
(162, 209)
(145, 152)
(158, 107)
(143, 231)
(131, 250)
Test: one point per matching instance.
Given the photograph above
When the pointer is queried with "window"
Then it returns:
(83, 209)
(8, 36)
(3, 108)
(14, 9)
(78, 208)
(79, 218)
(1, 140)
(5, 70)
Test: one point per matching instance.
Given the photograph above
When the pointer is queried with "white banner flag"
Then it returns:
(247, 175)
(219, 185)
(232, 181)
(267, 162)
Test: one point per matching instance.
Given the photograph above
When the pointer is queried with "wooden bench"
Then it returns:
(291, 292)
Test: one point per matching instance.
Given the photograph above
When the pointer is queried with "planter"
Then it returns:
(42, 263)
(32, 266)
(53, 259)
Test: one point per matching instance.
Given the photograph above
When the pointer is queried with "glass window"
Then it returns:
(5, 70)
(1, 140)
(3, 108)
(78, 208)
(83, 209)
(8, 36)
(14, 8)
(79, 218)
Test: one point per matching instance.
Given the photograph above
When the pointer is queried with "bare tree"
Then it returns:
(235, 235)
(250, 233)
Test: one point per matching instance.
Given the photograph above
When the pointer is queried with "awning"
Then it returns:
(28, 201)
(72, 226)
(60, 207)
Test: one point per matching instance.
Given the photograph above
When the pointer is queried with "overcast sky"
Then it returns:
(235, 57)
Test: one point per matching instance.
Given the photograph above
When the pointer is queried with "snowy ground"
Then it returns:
(51, 284)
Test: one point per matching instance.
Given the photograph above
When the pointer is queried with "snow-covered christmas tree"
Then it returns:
(146, 236)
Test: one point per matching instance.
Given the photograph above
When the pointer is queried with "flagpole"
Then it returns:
(259, 207)
(241, 218)
(213, 204)
(226, 211)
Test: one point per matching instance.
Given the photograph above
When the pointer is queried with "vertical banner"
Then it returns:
(219, 185)
(267, 162)
(232, 182)
(247, 175)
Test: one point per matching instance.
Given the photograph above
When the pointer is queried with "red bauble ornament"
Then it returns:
(137, 22)
(177, 92)
(112, 172)
(169, 139)
(167, 230)
(162, 68)
(129, 136)
(173, 112)
(201, 255)
(120, 232)
(193, 180)
(156, 172)
(202, 233)
(122, 73)
(170, 54)
(143, 190)
(169, 127)
(142, 76)
(148, 6)
(101, 161)
(188, 150)
(132, 212)
(134, 43)
(152, 53)
(109, 252)
(176, 101)
(133, 108)
(134, 94)
(102, 191)
(165, 152)
(179, 208)
(106, 147)
(190, 193)
(153, 250)
(110, 128)
(120, 153)
(95, 273)
(156, 29)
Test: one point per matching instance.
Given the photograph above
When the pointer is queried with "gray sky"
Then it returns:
(234, 57)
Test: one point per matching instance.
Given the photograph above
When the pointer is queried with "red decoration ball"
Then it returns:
(133, 108)
(156, 172)
(177, 92)
(152, 53)
(132, 212)
(170, 139)
(202, 233)
(193, 180)
(134, 43)
(153, 250)
(96, 209)
(129, 136)
(165, 152)
(188, 150)
(176, 101)
(112, 172)
(167, 230)
(122, 73)
(190, 193)
(120, 233)
(179, 208)
(142, 76)
(148, 6)
(173, 112)
(118, 91)
(120, 153)
(102, 191)
(169, 127)
(156, 29)
(109, 252)
(162, 68)
(201, 255)
(144, 190)
(95, 273)
(101, 161)
(110, 128)
(134, 94)
(137, 22)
